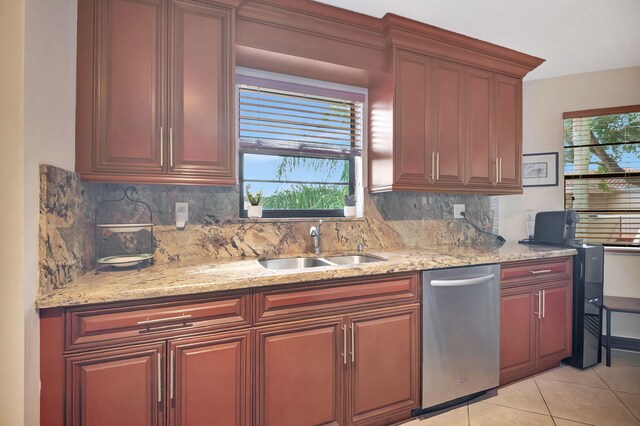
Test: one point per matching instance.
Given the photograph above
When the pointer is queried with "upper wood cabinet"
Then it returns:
(440, 126)
(155, 92)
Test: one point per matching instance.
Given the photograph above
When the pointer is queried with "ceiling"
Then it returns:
(574, 36)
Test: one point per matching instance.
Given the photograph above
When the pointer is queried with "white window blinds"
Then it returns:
(602, 173)
(286, 121)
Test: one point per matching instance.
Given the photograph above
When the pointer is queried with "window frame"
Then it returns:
(630, 247)
(313, 87)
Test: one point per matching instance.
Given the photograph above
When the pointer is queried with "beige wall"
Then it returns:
(11, 215)
(49, 118)
(544, 102)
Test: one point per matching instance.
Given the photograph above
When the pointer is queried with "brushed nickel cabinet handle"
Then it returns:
(163, 320)
(159, 377)
(433, 166)
(161, 147)
(540, 271)
(497, 170)
(437, 166)
(344, 345)
(544, 302)
(171, 146)
(539, 313)
(353, 343)
(171, 376)
(500, 168)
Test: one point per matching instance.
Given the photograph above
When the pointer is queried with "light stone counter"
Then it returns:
(204, 276)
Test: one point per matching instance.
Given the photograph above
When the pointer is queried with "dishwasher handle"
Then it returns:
(458, 283)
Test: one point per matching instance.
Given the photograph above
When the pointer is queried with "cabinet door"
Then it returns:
(479, 114)
(448, 143)
(517, 330)
(554, 328)
(509, 131)
(122, 387)
(210, 380)
(130, 77)
(413, 165)
(384, 372)
(300, 370)
(201, 79)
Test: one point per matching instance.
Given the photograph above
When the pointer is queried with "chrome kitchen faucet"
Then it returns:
(315, 234)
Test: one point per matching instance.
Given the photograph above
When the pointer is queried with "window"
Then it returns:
(602, 174)
(300, 145)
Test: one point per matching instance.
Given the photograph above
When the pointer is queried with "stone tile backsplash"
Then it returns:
(214, 230)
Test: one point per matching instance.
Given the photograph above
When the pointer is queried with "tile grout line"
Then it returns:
(574, 421)
(544, 400)
(616, 395)
(519, 409)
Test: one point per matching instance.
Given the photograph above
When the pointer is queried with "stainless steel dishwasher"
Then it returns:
(460, 334)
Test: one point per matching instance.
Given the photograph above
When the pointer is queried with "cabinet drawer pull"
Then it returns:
(437, 166)
(541, 271)
(171, 146)
(161, 148)
(500, 170)
(171, 376)
(539, 313)
(433, 166)
(353, 344)
(344, 345)
(544, 301)
(159, 377)
(163, 320)
(497, 171)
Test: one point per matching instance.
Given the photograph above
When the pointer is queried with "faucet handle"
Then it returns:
(361, 246)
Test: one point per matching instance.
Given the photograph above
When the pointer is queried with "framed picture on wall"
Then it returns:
(540, 169)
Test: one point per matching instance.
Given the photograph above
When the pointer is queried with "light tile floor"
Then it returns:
(564, 396)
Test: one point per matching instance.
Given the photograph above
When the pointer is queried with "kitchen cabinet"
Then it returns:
(300, 372)
(341, 352)
(441, 126)
(535, 321)
(354, 369)
(119, 387)
(209, 380)
(162, 107)
(384, 374)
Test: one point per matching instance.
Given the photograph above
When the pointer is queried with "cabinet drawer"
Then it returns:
(534, 271)
(335, 296)
(87, 327)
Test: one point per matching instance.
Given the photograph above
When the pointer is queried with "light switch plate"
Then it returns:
(182, 214)
(458, 209)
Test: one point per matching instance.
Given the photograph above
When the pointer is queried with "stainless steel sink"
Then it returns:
(314, 262)
(354, 259)
(294, 263)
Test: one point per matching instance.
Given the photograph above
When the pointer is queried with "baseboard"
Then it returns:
(624, 343)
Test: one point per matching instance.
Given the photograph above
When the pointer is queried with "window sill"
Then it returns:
(301, 219)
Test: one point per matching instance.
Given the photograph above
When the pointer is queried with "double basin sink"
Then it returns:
(314, 262)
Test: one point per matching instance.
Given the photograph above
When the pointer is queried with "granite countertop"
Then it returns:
(206, 275)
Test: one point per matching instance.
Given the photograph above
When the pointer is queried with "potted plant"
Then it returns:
(350, 205)
(255, 209)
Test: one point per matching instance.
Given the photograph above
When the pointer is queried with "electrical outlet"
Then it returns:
(182, 214)
(458, 209)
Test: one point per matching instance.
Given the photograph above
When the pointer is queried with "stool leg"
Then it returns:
(608, 338)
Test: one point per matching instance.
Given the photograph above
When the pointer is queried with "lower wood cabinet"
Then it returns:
(204, 380)
(121, 387)
(535, 321)
(343, 352)
(299, 373)
(210, 380)
(346, 370)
